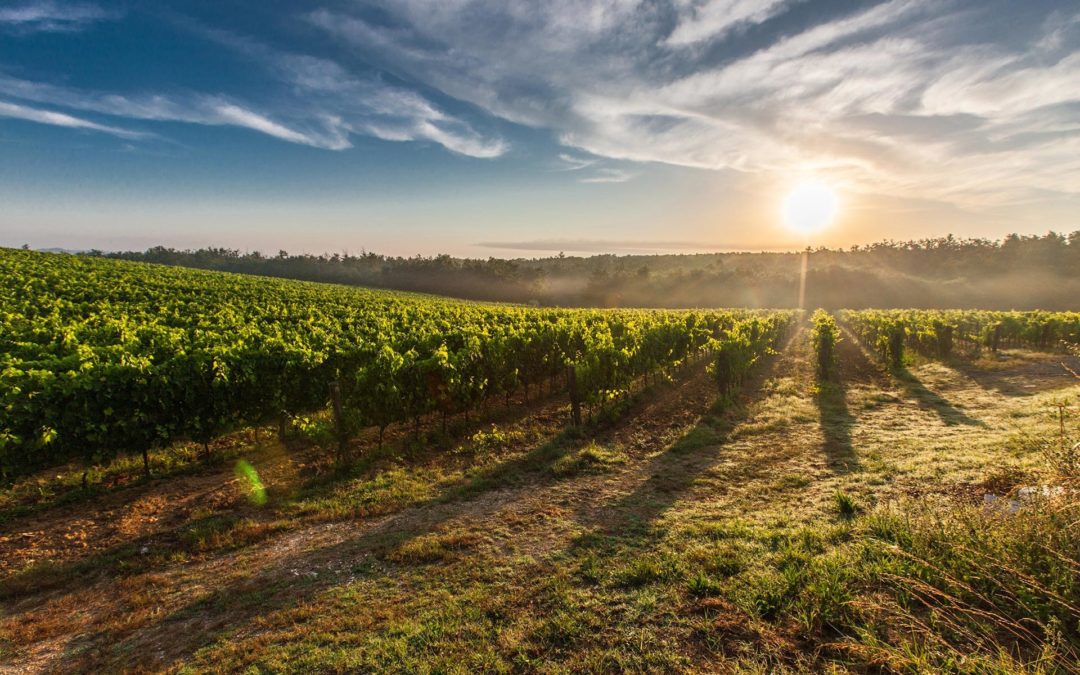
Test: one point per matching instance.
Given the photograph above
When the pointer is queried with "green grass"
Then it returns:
(846, 505)
(593, 458)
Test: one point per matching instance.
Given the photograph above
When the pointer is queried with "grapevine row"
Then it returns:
(100, 357)
(937, 333)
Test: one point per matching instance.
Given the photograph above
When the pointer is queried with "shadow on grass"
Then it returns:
(219, 533)
(130, 557)
(124, 475)
(288, 581)
(302, 574)
(155, 550)
(856, 364)
(277, 586)
(930, 400)
(836, 421)
(672, 473)
(1020, 377)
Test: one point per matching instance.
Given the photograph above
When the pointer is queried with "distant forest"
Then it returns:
(1017, 272)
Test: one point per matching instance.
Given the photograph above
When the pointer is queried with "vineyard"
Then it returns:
(349, 480)
(938, 333)
(100, 357)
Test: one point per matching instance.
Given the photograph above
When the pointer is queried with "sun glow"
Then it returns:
(810, 207)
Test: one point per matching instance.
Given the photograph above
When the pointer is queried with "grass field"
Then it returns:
(804, 527)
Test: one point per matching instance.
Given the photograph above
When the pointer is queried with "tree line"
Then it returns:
(1016, 272)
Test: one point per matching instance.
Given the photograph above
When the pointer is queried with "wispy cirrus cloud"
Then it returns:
(972, 102)
(320, 103)
(363, 105)
(938, 100)
(700, 20)
(52, 17)
(608, 176)
(592, 169)
(59, 119)
(574, 162)
(193, 109)
(230, 113)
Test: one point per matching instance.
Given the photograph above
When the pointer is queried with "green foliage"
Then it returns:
(592, 458)
(824, 337)
(1061, 450)
(101, 357)
(700, 585)
(846, 505)
(649, 569)
(495, 439)
(249, 477)
(746, 341)
(936, 333)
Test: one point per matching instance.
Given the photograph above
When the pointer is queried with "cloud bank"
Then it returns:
(976, 103)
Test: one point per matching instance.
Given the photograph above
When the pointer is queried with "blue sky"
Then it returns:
(522, 128)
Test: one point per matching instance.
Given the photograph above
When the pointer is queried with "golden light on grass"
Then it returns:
(810, 207)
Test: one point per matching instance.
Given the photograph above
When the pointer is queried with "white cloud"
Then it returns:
(575, 163)
(196, 109)
(608, 176)
(325, 90)
(593, 169)
(942, 100)
(22, 112)
(996, 87)
(938, 100)
(322, 104)
(385, 113)
(710, 19)
(53, 17)
(229, 113)
(461, 141)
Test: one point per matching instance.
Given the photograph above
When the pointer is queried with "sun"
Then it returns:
(810, 207)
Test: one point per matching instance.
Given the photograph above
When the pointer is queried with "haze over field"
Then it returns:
(1036, 272)
(519, 128)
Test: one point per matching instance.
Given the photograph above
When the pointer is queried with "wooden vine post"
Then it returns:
(575, 397)
(339, 422)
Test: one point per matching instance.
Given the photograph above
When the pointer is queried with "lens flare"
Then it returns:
(256, 492)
